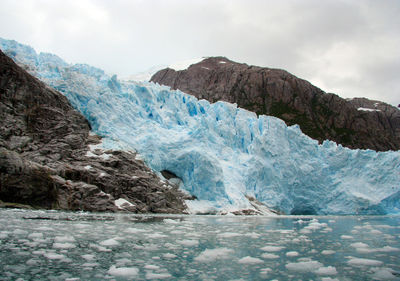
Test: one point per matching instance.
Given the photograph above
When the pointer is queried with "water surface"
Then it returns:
(53, 245)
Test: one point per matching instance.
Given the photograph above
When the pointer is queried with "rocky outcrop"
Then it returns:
(278, 93)
(49, 159)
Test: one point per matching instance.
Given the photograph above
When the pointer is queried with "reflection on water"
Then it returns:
(51, 245)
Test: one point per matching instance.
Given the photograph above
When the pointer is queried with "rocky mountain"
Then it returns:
(357, 123)
(49, 158)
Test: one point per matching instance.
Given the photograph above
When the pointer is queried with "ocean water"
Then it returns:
(53, 245)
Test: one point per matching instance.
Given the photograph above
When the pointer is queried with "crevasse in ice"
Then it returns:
(222, 153)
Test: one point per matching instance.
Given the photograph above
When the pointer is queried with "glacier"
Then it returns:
(223, 155)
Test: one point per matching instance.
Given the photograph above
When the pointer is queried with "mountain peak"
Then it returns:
(278, 93)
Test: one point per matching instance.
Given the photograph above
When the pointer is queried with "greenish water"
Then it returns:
(52, 245)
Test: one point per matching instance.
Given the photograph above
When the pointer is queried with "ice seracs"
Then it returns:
(223, 155)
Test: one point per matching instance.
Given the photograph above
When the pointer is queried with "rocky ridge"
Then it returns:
(356, 123)
(49, 158)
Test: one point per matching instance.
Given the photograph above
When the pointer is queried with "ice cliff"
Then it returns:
(222, 154)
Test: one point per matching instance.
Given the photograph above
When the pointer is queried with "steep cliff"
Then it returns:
(357, 123)
(49, 159)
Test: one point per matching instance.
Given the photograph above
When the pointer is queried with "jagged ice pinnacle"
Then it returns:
(222, 153)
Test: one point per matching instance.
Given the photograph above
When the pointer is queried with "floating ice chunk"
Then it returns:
(53, 256)
(151, 267)
(315, 225)
(228, 235)
(88, 257)
(90, 264)
(188, 242)
(20, 232)
(269, 256)
(171, 246)
(250, 260)
(171, 221)
(123, 271)
(32, 262)
(292, 254)
(328, 252)
(346, 237)
(63, 246)
(109, 242)
(36, 235)
(265, 271)
(67, 238)
(82, 225)
(152, 275)
(329, 270)
(359, 245)
(385, 249)
(210, 255)
(134, 230)
(384, 274)
(39, 252)
(252, 235)
(123, 261)
(100, 248)
(304, 266)
(169, 256)
(272, 248)
(388, 249)
(364, 262)
(44, 228)
(157, 235)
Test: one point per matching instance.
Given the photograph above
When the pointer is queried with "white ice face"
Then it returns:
(223, 153)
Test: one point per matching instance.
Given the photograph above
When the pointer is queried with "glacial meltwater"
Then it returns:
(53, 245)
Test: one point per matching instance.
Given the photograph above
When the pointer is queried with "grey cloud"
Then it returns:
(343, 46)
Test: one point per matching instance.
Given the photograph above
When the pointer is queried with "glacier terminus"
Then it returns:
(222, 154)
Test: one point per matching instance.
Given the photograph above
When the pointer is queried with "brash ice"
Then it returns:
(223, 154)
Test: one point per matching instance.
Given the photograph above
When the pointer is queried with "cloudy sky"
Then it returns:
(351, 48)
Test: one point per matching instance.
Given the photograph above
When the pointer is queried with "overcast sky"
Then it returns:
(351, 48)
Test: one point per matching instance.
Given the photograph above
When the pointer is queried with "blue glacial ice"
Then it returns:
(222, 153)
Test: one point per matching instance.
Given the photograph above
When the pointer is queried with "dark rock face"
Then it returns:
(46, 160)
(278, 93)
